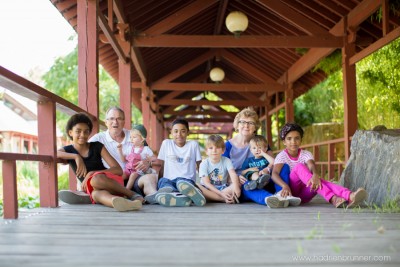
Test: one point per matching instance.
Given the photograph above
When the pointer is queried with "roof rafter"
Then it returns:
(245, 41)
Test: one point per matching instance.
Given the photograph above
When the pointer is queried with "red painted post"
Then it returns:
(331, 157)
(47, 140)
(88, 62)
(349, 94)
(10, 199)
(125, 91)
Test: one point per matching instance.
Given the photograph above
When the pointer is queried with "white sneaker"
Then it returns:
(293, 201)
(276, 202)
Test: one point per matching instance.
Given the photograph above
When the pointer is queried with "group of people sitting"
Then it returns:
(115, 167)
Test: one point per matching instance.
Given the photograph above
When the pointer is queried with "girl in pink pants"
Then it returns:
(304, 181)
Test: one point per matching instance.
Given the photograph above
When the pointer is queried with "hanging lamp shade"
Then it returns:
(236, 22)
(217, 75)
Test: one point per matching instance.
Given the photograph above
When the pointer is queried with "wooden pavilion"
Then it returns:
(161, 53)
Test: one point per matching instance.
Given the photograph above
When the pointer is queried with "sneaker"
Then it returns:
(293, 201)
(123, 204)
(74, 197)
(250, 185)
(137, 196)
(263, 180)
(173, 200)
(151, 199)
(276, 202)
(357, 197)
(192, 192)
(338, 202)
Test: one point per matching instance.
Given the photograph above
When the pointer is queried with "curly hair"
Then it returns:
(247, 113)
(78, 118)
(290, 127)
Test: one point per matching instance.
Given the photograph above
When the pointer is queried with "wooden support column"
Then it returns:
(152, 131)
(268, 124)
(289, 108)
(47, 140)
(349, 95)
(10, 199)
(125, 91)
(145, 110)
(88, 64)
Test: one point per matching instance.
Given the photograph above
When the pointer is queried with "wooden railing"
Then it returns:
(47, 104)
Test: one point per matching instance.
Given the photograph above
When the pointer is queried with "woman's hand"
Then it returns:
(314, 183)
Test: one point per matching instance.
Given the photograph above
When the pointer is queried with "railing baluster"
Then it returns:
(10, 199)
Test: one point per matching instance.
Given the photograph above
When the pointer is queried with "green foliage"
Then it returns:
(63, 180)
(378, 87)
(331, 63)
(378, 91)
(323, 103)
(62, 80)
(29, 202)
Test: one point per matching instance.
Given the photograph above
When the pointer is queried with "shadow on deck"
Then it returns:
(215, 235)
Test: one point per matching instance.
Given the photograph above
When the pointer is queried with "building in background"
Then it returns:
(18, 124)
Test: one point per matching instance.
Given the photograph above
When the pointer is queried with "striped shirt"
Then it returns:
(303, 157)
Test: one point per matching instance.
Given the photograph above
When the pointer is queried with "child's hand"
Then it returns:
(286, 191)
(84, 183)
(242, 180)
(80, 167)
(314, 183)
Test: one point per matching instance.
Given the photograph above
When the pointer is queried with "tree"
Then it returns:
(62, 80)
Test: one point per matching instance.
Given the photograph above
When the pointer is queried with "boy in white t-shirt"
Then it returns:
(217, 173)
(179, 159)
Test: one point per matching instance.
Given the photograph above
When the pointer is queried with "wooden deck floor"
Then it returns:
(214, 235)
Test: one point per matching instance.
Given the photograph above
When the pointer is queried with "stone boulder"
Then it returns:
(375, 165)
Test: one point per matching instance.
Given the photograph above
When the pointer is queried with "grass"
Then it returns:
(28, 185)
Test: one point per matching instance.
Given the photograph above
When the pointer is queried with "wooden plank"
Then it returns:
(214, 235)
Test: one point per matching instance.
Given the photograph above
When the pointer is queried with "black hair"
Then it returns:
(290, 127)
(78, 118)
(181, 121)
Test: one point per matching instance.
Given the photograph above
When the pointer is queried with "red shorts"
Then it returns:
(109, 175)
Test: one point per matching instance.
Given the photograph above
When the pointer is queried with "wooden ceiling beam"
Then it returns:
(103, 24)
(200, 112)
(187, 67)
(180, 17)
(138, 62)
(202, 120)
(245, 41)
(293, 17)
(190, 102)
(119, 11)
(222, 87)
(249, 68)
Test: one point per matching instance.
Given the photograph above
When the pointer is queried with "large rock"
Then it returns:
(375, 165)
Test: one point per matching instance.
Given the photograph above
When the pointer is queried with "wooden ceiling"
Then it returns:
(173, 44)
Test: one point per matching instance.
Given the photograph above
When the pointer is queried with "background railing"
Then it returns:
(47, 104)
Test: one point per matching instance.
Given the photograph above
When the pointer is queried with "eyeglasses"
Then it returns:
(249, 123)
(115, 119)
